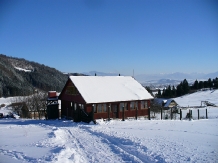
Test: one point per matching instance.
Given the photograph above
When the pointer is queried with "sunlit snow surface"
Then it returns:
(100, 89)
(115, 141)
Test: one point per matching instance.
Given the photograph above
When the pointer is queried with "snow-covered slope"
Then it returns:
(142, 141)
(195, 99)
(116, 141)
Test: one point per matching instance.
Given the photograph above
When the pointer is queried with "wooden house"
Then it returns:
(85, 98)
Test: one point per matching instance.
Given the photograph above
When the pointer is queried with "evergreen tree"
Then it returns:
(174, 91)
(195, 86)
(210, 84)
(185, 86)
(164, 92)
(205, 84)
(169, 92)
(179, 90)
(215, 83)
(159, 93)
(201, 85)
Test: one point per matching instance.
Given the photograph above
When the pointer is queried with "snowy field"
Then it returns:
(115, 141)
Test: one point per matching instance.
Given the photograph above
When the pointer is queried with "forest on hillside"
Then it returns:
(185, 88)
(14, 82)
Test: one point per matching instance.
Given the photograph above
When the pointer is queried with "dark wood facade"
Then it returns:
(73, 106)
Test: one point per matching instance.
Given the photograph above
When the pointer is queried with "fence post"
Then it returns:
(198, 114)
(206, 114)
(189, 114)
(171, 115)
(180, 114)
(161, 113)
(149, 117)
(123, 114)
(108, 112)
(93, 113)
(136, 115)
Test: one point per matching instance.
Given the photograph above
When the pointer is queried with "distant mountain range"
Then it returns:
(163, 79)
(93, 73)
(176, 76)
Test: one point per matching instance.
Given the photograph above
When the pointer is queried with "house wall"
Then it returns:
(172, 104)
(119, 114)
(69, 98)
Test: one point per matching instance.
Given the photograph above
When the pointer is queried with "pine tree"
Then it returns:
(179, 91)
(215, 83)
(185, 86)
(169, 92)
(205, 84)
(164, 92)
(201, 85)
(195, 84)
(174, 91)
(210, 84)
(159, 93)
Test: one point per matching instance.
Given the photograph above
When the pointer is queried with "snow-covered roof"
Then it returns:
(162, 101)
(167, 103)
(99, 89)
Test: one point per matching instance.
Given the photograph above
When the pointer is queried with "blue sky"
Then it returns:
(149, 36)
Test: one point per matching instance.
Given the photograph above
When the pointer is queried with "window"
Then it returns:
(71, 90)
(101, 108)
(81, 106)
(133, 105)
(104, 107)
(94, 105)
(123, 104)
(144, 105)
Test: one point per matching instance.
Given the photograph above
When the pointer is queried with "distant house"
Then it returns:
(87, 97)
(166, 103)
(169, 103)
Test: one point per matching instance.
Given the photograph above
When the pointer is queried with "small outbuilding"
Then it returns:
(85, 98)
(166, 103)
(169, 103)
(52, 111)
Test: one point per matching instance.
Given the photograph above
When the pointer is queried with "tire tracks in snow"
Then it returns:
(78, 145)
(129, 150)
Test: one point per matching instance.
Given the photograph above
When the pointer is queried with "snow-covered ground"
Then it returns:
(195, 99)
(140, 140)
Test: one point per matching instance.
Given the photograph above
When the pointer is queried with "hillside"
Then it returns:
(194, 99)
(22, 77)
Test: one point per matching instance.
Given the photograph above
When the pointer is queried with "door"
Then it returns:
(77, 113)
(115, 110)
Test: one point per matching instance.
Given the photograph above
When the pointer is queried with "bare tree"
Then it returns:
(37, 103)
(155, 107)
(17, 105)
